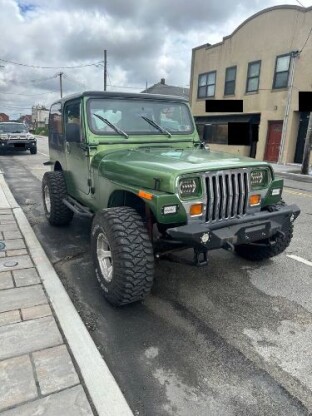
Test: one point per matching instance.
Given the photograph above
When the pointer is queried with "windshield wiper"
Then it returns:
(117, 129)
(157, 126)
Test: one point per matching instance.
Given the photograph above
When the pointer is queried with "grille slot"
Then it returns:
(227, 194)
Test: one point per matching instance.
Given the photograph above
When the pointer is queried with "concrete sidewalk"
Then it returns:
(49, 364)
(291, 171)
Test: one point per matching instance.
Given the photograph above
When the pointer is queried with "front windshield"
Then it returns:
(134, 116)
(13, 128)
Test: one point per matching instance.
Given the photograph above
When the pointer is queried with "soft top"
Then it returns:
(114, 94)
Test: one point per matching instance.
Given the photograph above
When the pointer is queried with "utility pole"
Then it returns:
(294, 55)
(61, 83)
(105, 69)
(307, 148)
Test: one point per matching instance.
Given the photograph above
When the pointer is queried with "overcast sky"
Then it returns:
(146, 40)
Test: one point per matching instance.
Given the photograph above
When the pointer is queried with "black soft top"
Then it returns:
(110, 94)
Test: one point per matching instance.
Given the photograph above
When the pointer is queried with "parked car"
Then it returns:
(15, 136)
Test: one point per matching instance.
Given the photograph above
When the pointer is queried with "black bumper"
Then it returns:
(17, 144)
(243, 230)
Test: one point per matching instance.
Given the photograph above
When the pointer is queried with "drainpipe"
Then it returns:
(294, 55)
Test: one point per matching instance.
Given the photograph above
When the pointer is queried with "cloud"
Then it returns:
(145, 41)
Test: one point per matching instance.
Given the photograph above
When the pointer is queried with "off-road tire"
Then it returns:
(57, 213)
(33, 150)
(131, 256)
(259, 253)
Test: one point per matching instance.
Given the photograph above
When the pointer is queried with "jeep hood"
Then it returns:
(140, 167)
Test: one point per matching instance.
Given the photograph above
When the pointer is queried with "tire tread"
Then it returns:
(133, 268)
(59, 214)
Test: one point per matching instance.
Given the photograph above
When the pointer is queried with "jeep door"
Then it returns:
(76, 151)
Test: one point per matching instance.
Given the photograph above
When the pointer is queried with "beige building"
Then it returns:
(265, 62)
(39, 116)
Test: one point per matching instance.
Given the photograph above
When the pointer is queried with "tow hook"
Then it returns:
(200, 257)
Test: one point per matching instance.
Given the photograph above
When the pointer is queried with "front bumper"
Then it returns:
(241, 230)
(17, 144)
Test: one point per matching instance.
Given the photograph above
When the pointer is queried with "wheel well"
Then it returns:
(57, 166)
(124, 198)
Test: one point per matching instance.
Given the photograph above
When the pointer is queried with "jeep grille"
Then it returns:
(227, 194)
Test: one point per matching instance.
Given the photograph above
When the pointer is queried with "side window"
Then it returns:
(253, 76)
(230, 78)
(72, 121)
(207, 84)
(55, 126)
(281, 71)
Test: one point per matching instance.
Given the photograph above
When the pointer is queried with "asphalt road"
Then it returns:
(233, 338)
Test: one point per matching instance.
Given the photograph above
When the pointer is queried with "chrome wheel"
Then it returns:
(47, 200)
(104, 256)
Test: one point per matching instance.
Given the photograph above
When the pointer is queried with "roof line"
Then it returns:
(269, 9)
(119, 94)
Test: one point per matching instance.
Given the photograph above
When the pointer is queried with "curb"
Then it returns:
(294, 176)
(103, 389)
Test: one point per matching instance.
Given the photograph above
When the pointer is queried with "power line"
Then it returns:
(26, 95)
(306, 40)
(109, 78)
(299, 3)
(43, 79)
(122, 86)
(15, 107)
(73, 80)
(50, 67)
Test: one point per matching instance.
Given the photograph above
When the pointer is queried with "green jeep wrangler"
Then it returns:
(135, 163)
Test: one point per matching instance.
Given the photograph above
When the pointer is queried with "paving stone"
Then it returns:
(5, 211)
(20, 252)
(6, 281)
(23, 262)
(15, 244)
(8, 221)
(28, 336)
(70, 402)
(11, 235)
(17, 383)
(26, 277)
(55, 369)
(6, 216)
(10, 317)
(36, 312)
(21, 297)
(9, 227)
(2, 254)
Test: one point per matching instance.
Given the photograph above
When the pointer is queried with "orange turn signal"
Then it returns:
(254, 200)
(145, 195)
(196, 209)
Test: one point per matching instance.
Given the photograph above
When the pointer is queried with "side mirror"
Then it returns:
(72, 132)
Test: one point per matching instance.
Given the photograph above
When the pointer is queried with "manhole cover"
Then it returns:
(10, 263)
(2, 245)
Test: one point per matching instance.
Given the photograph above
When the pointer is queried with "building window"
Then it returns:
(230, 78)
(253, 76)
(207, 85)
(281, 71)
